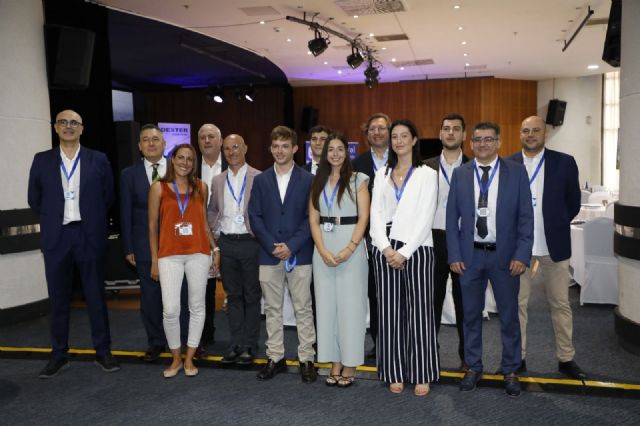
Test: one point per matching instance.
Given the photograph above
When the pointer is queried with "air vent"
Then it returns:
(391, 37)
(370, 7)
(342, 68)
(419, 62)
(259, 11)
(598, 21)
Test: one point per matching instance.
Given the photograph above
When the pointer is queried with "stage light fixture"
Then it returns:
(355, 59)
(371, 76)
(215, 95)
(318, 44)
(250, 94)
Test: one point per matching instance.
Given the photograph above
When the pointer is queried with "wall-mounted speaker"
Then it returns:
(309, 118)
(611, 51)
(555, 113)
(69, 56)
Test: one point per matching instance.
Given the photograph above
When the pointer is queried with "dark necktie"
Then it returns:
(483, 201)
(154, 172)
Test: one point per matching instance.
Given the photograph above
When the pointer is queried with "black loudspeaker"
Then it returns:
(555, 113)
(309, 118)
(69, 55)
(611, 51)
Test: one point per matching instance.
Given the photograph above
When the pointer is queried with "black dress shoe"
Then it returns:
(107, 362)
(54, 367)
(470, 380)
(200, 353)
(308, 372)
(512, 385)
(232, 356)
(571, 369)
(245, 358)
(153, 353)
(271, 368)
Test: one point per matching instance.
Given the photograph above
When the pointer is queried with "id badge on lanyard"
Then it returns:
(182, 228)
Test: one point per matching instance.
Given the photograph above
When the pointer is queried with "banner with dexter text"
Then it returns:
(175, 134)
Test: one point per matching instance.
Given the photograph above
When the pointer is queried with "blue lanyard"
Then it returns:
(73, 169)
(444, 173)
(406, 179)
(485, 190)
(290, 263)
(535, 173)
(375, 168)
(182, 207)
(333, 196)
(233, 194)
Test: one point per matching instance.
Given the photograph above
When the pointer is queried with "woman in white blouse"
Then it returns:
(402, 209)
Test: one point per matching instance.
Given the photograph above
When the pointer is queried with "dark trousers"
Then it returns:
(441, 273)
(209, 328)
(505, 289)
(150, 305)
(72, 249)
(240, 277)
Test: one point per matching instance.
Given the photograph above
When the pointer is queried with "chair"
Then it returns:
(599, 197)
(608, 212)
(584, 197)
(601, 266)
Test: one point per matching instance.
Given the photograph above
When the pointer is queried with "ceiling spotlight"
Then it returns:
(355, 59)
(318, 44)
(250, 94)
(215, 95)
(371, 75)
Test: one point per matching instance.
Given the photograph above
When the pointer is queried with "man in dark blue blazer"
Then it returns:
(134, 231)
(489, 237)
(71, 189)
(553, 177)
(278, 213)
(319, 135)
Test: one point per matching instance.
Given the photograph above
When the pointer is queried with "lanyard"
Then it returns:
(535, 173)
(406, 179)
(485, 190)
(73, 169)
(182, 207)
(290, 263)
(444, 173)
(333, 196)
(233, 194)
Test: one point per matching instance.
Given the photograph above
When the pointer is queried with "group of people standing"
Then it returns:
(388, 229)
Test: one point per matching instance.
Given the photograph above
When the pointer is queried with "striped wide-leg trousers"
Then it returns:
(406, 351)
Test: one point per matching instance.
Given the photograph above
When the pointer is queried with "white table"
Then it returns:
(448, 308)
(590, 211)
(587, 212)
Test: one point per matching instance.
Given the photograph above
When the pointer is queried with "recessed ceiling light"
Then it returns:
(593, 67)
(384, 48)
(308, 52)
(339, 71)
(355, 16)
(289, 40)
(467, 64)
(460, 28)
(464, 42)
(457, 6)
(370, 34)
(465, 54)
(261, 22)
(393, 59)
(402, 68)
(326, 63)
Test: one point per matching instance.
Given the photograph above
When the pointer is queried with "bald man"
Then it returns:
(555, 195)
(73, 232)
(229, 221)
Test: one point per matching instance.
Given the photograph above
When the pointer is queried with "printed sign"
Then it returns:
(175, 134)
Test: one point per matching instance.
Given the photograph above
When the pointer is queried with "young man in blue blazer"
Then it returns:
(278, 212)
(489, 237)
(555, 191)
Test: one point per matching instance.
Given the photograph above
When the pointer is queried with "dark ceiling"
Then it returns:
(146, 54)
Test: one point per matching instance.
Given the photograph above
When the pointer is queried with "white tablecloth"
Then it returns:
(587, 213)
(577, 253)
(449, 312)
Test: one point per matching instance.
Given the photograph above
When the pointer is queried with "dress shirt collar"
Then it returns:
(532, 160)
(161, 163)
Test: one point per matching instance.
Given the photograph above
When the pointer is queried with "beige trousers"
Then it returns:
(273, 279)
(554, 278)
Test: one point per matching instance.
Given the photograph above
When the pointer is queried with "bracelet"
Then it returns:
(354, 243)
(216, 248)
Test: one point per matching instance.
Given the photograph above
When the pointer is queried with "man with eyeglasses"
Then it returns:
(73, 230)
(555, 196)
(376, 130)
(228, 216)
(452, 135)
(489, 237)
(319, 135)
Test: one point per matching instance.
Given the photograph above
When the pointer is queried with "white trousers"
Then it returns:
(172, 270)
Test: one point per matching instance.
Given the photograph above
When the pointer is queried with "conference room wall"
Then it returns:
(346, 107)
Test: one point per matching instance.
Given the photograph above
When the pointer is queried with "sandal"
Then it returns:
(422, 389)
(396, 387)
(345, 381)
(332, 379)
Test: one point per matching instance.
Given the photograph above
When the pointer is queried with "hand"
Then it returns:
(215, 265)
(397, 261)
(155, 274)
(131, 258)
(517, 268)
(457, 267)
(281, 251)
(343, 255)
(328, 258)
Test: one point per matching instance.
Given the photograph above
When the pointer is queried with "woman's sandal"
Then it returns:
(422, 389)
(332, 379)
(345, 381)
(396, 387)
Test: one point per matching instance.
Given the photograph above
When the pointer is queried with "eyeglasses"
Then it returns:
(64, 123)
(486, 139)
(377, 129)
(533, 131)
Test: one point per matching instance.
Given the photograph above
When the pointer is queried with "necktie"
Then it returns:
(154, 173)
(483, 197)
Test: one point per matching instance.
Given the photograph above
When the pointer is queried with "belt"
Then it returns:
(339, 220)
(246, 236)
(74, 223)
(485, 246)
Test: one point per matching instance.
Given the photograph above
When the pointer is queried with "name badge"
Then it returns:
(239, 219)
(327, 226)
(483, 212)
(183, 229)
(69, 195)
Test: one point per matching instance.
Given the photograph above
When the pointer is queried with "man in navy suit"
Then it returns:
(319, 135)
(553, 177)
(71, 189)
(134, 226)
(278, 213)
(489, 237)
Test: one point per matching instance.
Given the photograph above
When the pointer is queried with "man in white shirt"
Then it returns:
(319, 135)
(228, 215)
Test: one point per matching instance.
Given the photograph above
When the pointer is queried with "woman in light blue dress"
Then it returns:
(338, 215)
